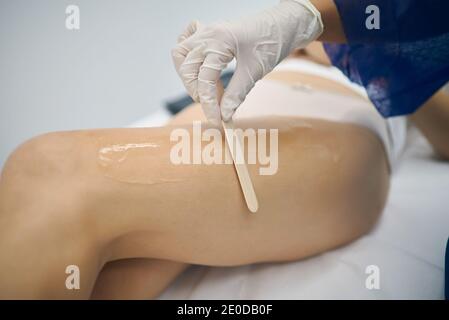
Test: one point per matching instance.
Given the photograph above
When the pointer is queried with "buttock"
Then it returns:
(289, 92)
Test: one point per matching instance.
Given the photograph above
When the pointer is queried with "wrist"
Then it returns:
(300, 23)
(311, 7)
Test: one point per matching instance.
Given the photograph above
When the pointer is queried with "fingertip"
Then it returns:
(196, 24)
(227, 110)
(226, 117)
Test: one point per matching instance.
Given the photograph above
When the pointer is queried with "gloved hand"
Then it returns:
(258, 43)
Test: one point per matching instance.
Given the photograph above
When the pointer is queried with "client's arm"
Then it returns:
(433, 121)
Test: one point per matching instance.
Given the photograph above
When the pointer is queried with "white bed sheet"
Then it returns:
(407, 245)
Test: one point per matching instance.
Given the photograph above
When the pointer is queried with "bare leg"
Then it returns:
(59, 207)
(145, 278)
(141, 282)
(136, 278)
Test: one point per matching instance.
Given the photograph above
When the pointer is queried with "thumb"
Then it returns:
(238, 88)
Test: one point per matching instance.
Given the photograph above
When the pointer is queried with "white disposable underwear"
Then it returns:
(274, 98)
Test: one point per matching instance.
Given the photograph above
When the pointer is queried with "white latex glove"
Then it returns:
(258, 43)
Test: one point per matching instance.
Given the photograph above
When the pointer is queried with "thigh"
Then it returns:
(129, 199)
(329, 188)
(135, 278)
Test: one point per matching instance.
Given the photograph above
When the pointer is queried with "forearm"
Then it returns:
(333, 28)
(433, 121)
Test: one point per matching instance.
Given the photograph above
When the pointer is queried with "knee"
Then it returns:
(43, 157)
(38, 177)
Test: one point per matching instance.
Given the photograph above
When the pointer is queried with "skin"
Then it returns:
(333, 28)
(59, 207)
(432, 119)
(146, 278)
